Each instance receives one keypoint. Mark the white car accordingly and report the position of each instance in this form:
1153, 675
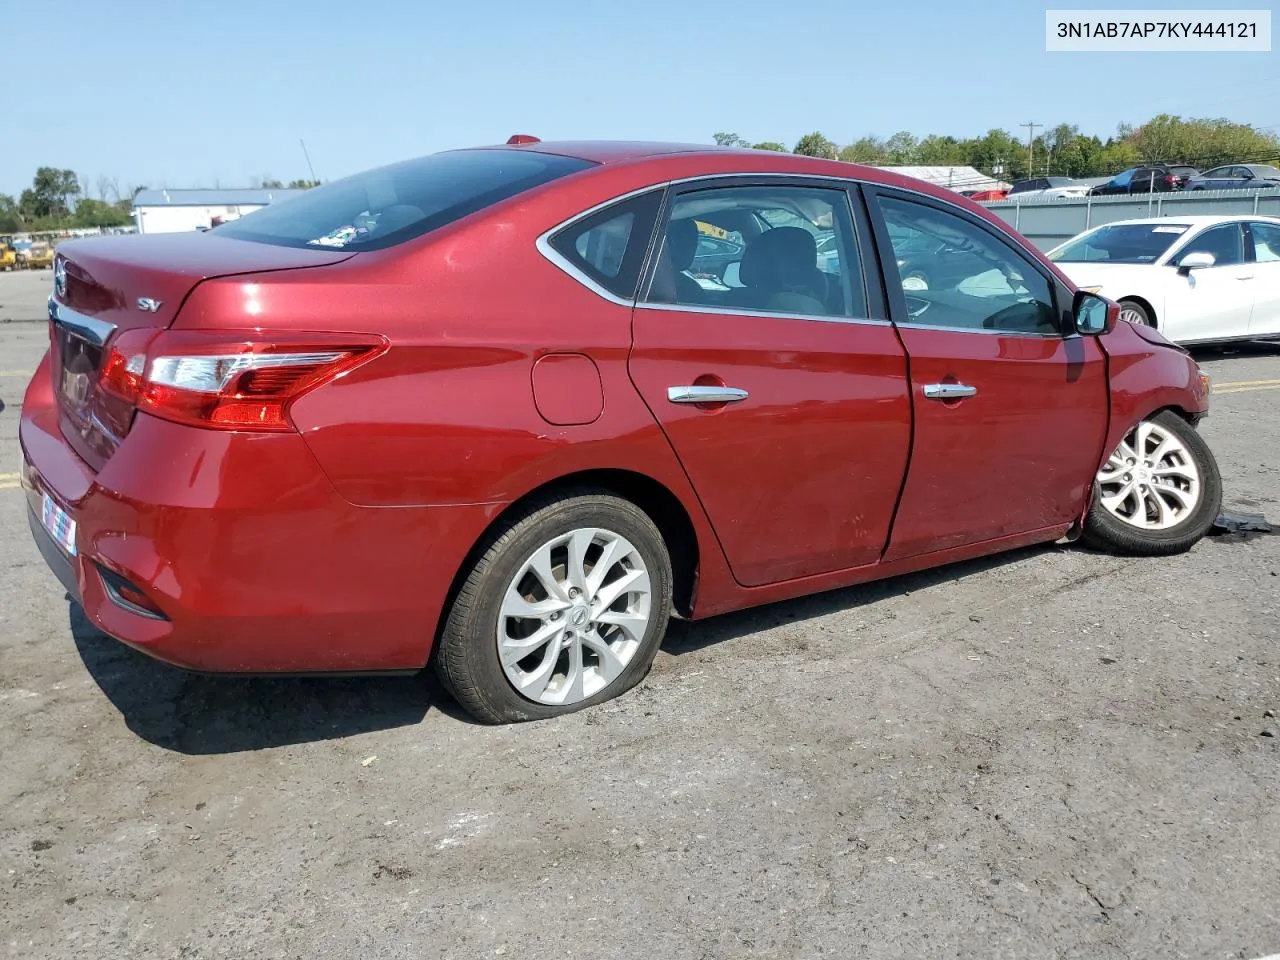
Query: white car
1048, 188
1196, 279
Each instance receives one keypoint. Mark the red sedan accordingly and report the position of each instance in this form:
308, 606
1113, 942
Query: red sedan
475, 408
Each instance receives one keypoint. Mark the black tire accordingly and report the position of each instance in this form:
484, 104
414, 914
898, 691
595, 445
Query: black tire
1138, 308
1105, 531
467, 660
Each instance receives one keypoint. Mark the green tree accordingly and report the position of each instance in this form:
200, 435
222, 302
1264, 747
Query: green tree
769, 145
934, 150
729, 140
1080, 157
303, 184
52, 194
867, 150
902, 148
10, 216
1118, 155
998, 149
1202, 142
816, 145
99, 213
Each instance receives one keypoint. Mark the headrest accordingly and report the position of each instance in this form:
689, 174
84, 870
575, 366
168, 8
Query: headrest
682, 241
779, 257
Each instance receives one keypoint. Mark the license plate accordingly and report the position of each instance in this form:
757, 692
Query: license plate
59, 524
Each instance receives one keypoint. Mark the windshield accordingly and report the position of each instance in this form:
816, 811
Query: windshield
380, 208
1121, 243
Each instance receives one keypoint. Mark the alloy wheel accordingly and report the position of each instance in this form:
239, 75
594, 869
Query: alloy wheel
574, 616
1151, 480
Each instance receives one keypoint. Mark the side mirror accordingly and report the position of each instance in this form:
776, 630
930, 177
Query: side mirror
731, 274
1195, 261
1094, 315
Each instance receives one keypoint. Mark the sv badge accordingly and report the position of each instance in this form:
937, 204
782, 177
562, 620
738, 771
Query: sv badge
147, 305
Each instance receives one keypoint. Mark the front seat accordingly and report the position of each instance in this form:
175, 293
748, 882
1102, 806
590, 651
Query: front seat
780, 273
679, 250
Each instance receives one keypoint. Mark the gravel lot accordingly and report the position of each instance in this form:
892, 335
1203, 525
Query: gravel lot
1048, 754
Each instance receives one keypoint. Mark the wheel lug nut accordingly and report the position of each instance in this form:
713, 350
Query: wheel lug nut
1128, 477
574, 593
555, 615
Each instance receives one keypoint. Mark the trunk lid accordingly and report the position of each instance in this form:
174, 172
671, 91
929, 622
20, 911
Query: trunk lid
108, 286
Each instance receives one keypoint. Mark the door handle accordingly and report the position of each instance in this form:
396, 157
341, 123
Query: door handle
692, 394
1244, 276
948, 391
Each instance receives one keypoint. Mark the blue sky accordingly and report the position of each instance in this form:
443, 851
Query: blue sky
194, 93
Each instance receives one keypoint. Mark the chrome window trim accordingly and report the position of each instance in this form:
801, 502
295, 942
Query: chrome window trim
543, 243
990, 333
95, 331
739, 312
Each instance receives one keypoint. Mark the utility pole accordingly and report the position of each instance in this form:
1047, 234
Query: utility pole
1031, 136
308, 156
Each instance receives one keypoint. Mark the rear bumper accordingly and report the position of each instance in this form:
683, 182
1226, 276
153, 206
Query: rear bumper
256, 562
62, 566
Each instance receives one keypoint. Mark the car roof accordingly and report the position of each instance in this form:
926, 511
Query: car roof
700, 159
616, 151
1197, 220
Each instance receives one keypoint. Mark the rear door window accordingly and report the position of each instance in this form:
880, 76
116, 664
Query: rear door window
1266, 242
791, 250
383, 207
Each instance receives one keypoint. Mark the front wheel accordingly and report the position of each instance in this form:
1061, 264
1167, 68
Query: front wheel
1158, 493
564, 609
1134, 312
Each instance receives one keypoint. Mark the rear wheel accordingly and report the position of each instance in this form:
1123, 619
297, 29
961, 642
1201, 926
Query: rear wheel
1134, 312
565, 608
1158, 493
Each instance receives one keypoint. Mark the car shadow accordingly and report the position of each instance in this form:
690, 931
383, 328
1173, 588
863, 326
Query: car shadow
199, 714
685, 636
1244, 348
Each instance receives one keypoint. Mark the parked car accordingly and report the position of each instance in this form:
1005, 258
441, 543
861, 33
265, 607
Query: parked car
981, 196
464, 410
1048, 188
1153, 178
1195, 279
8, 256
1237, 176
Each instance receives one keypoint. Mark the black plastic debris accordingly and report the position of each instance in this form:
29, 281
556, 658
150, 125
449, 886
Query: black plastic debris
1241, 524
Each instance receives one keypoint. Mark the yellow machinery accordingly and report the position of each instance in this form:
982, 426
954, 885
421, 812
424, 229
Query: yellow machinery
39, 256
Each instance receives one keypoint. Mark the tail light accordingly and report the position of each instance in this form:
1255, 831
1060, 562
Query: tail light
215, 380
1170, 180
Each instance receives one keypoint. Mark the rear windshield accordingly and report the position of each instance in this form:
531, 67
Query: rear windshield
1121, 243
380, 208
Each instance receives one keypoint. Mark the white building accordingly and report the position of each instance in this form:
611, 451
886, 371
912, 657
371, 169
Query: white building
176, 211
959, 179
